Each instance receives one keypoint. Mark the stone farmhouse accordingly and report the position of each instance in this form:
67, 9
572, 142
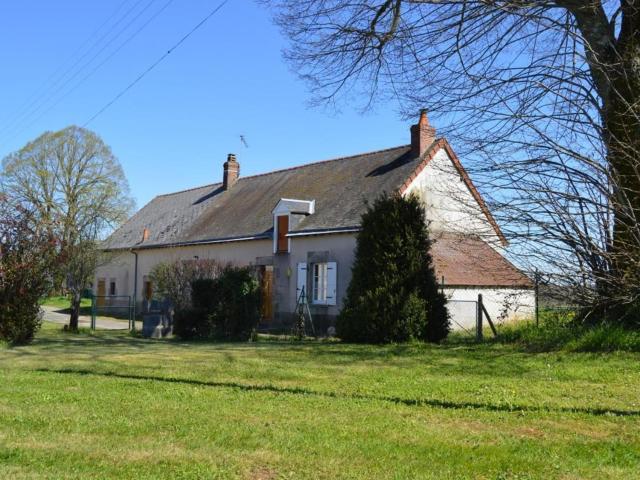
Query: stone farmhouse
298, 227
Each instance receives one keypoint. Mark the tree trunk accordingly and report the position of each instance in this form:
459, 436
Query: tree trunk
75, 312
622, 135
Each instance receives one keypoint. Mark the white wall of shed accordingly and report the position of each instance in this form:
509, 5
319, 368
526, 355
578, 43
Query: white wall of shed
502, 304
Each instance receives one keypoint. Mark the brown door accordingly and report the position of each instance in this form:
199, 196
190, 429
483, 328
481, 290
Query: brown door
102, 291
266, 306
283, 229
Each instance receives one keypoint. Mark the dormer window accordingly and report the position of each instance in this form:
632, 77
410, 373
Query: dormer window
287, 215
283, 230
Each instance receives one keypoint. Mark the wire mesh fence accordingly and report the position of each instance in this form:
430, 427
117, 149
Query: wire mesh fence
113, 312
464, 317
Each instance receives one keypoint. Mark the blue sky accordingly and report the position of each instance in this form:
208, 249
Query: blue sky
173, 129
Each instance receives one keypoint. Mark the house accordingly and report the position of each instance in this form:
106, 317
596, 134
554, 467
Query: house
298, 227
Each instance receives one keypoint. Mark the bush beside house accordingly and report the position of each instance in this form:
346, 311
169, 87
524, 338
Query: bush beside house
223, 308
173, 280
393, 295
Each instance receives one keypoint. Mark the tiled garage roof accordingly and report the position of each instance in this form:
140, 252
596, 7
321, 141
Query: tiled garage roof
470, 261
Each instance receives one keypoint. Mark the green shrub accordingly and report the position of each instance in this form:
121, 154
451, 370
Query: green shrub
236, 312
173, 280
393, 295
224, 308
605, 338
27, 262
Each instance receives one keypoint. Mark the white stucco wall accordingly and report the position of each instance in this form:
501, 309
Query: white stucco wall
122, 266
502, 304
449, 205
118, 267
341, 248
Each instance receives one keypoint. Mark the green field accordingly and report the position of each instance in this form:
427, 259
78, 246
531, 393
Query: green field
114, 406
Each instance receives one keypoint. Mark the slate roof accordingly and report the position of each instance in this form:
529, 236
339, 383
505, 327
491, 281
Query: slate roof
209, 213
469, 261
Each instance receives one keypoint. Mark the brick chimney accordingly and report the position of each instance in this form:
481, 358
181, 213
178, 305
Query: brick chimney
231, 172
422, 135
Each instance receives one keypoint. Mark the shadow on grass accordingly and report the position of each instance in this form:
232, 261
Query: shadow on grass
446, 404
476, 360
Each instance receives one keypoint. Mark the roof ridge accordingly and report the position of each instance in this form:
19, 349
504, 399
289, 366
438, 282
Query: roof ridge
347, 157
185, 190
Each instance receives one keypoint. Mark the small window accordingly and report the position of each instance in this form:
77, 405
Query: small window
112, 287
283, 230
320, 283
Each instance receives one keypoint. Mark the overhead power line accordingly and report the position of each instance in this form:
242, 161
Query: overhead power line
34, 97
157, 62
100, 65
58, 82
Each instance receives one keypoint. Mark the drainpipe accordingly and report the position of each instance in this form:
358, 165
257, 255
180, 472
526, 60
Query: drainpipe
135, 287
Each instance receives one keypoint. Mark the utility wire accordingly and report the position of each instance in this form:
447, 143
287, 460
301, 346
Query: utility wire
97, 67
40, 91
157, 62
19, 123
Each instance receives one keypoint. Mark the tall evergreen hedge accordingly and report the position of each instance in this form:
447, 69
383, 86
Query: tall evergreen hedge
393, 295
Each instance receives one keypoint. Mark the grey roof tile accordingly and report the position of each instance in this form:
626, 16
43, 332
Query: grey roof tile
339, 187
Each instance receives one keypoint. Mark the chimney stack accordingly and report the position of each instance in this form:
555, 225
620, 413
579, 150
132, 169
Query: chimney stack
422, 135
231, 172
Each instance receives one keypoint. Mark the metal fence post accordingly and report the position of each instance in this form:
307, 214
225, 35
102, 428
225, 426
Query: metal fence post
479, 319
93, 312
132, 313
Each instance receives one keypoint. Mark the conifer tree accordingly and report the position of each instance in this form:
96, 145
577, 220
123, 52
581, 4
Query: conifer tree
393, 295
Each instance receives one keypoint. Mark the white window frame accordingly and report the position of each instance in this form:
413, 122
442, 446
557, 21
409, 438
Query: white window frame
324, 273
319, 283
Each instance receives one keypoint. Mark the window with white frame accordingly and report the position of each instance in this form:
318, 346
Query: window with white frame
320, 283
323, 283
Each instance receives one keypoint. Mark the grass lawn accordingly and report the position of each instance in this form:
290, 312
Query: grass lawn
112, 406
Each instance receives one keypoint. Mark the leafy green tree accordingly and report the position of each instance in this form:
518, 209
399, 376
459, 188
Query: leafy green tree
77, 190
393, 295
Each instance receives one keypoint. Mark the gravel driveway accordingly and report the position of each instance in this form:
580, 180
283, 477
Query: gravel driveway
56, 315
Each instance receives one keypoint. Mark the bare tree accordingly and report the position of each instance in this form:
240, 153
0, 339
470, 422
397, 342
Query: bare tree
544, 95
78, 191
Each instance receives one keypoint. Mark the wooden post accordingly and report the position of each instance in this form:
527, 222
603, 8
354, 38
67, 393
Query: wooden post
479, 319
536, 293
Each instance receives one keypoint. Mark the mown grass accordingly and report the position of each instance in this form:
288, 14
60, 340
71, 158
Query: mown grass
110, 405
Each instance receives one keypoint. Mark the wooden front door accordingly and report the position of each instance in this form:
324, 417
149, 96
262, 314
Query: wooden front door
266, 284
102, 291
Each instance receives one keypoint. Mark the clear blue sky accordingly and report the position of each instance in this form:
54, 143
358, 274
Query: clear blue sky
173, 129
